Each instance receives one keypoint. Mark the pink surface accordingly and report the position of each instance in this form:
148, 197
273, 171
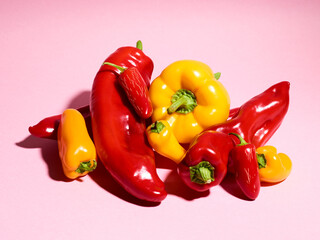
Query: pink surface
50, 53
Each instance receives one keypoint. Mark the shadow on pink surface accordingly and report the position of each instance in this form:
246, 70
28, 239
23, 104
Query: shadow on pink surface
49, 153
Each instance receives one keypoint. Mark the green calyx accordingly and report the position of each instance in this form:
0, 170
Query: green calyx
262, 161
242, 141
86, 166
202, 173
183, 101
157, 127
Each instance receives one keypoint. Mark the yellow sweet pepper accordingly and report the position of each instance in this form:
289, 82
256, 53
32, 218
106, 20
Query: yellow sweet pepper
76, 149
273, 167
163, 141
188, 96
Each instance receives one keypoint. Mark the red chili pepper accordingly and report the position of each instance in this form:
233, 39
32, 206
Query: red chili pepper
258, 119
244, 159
136, 90
205, 164
48, 127
118, 133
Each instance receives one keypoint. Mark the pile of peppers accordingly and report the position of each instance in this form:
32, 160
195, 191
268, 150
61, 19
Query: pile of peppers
184, 115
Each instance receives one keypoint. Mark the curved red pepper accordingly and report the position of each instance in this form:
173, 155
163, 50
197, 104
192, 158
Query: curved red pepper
258, 119
119, 134
244, 160
205, 164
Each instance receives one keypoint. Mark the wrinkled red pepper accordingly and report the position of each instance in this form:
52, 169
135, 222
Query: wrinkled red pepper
258, 119
118, 132
136, 90
205, 164
244, 160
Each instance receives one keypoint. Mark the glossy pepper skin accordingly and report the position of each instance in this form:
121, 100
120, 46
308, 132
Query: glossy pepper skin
48, 127
244, 159
119, 133
76, 149
205, 164
258, 119
273, 167
163, 141
188, 96
136, 90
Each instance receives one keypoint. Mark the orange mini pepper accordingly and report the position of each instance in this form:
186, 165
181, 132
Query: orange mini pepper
76, 149
273, 167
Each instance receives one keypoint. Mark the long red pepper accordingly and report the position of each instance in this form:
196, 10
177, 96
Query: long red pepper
244, 160
205, 163
136, 90
258, 119
118, 132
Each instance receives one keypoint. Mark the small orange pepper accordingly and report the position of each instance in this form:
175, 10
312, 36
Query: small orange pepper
273, 167
76, 149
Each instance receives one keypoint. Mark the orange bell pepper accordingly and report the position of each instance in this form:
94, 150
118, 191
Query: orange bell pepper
273, 167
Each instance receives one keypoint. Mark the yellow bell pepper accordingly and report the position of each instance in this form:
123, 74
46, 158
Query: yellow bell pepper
273, 167
163, 141
76, 149
188, 96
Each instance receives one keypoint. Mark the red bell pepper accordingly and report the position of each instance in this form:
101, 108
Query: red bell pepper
258, 119
205, 164
118, 133
136, 90
244, 160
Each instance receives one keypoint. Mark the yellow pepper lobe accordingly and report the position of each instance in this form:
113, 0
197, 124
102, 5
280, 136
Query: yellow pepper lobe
163, 141
188, 96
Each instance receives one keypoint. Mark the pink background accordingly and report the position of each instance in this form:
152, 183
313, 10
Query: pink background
50, 53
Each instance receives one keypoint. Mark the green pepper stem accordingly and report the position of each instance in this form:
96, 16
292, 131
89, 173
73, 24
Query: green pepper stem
242, 141
86, 166
183, 101
122, 69
202, 173
157, 127
139, 45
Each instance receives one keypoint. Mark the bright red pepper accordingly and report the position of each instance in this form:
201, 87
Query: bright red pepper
244, 159
119, 134
136, 89
205, 164
258, 119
